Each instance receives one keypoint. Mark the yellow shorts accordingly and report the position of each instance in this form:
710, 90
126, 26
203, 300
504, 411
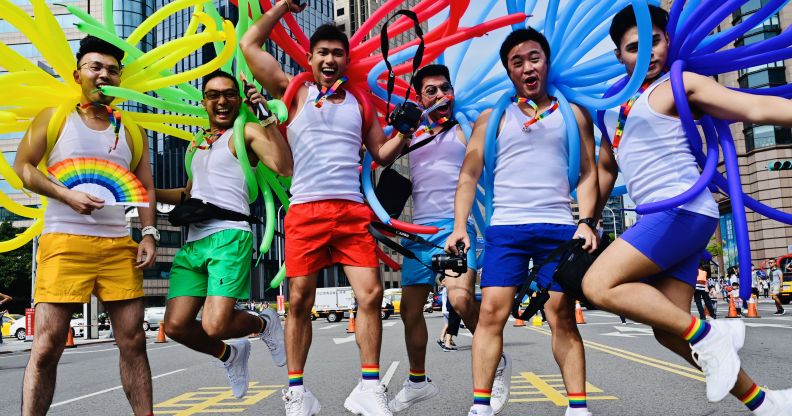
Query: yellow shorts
71, 267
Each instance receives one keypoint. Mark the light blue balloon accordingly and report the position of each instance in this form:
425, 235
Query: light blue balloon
368, 190
395, 59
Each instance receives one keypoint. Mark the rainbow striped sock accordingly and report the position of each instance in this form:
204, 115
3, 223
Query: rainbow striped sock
577, 400
753, 398
295, 378
370, 371
697, 330
417, 376
482, 397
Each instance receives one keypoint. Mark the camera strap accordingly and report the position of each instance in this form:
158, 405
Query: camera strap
538, 298
385, 46
375, 227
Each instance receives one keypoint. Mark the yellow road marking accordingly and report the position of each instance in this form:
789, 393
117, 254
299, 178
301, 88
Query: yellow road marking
555, 393
684, 371
214, 400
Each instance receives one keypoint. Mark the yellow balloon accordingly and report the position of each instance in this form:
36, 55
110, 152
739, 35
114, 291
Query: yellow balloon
22, 239
192, 28
171, 119
166, 129
12, 61
55, 123
17, 208
9, 175
158, 17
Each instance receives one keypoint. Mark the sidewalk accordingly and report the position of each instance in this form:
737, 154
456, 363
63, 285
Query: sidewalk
11, 345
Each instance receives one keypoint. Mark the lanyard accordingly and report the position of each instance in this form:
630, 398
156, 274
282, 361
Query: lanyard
537, 116
430, 128
624, 111
114, 116
209, 137
325, 92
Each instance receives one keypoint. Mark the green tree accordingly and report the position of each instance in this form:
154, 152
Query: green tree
714, 248
14, 265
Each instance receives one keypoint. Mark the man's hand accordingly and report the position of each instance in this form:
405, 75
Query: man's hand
586, 233
81, 202
294, 7
254, 98
147, 253
455, 237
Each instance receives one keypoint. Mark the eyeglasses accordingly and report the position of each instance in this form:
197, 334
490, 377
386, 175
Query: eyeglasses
97, 67
229, 95
432, 90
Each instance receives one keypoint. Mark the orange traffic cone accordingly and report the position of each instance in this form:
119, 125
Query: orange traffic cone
70, 339
752, 312
351, 326
732, 309
518, 321
161, 334
579, 313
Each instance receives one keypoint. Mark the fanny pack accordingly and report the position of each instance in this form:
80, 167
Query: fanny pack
194, 210
573, 262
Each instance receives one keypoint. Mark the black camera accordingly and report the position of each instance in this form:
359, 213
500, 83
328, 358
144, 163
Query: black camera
405, 117
456, 263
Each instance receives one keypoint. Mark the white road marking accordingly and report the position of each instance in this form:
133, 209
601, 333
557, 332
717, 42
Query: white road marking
109, 390
387, 324
344, 340
329, 326
389, 374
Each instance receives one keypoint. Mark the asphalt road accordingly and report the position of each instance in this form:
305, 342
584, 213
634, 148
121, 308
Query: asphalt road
628, 373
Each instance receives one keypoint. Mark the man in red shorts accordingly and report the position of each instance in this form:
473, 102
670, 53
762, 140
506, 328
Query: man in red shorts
327, 222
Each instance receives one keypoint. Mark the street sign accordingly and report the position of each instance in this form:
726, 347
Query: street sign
30, 320
281, 305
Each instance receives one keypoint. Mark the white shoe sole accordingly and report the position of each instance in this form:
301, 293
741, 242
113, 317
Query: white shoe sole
352, 407
278, 327
399, 406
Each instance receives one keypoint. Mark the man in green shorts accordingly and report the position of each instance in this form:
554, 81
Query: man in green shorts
212, 270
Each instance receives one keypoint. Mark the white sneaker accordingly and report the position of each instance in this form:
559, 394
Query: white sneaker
501, 385
273, 336
300, 403
480, 412
237, 367
716, 354
410, 394
575, 412
368, 402
777, 403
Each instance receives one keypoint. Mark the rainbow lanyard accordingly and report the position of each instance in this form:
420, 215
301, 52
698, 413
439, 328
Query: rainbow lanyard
113, 115
325, 92
624, 111
537, 116
430, 128
209, 137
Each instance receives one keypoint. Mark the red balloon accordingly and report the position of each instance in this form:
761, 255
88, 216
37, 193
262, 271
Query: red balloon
414, 228
386, 259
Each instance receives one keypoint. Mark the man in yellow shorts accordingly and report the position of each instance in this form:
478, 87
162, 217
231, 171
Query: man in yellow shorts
85, 246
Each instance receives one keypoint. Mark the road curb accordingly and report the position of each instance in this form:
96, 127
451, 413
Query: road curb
5, 351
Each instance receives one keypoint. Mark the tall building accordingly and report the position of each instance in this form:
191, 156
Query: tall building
757, 145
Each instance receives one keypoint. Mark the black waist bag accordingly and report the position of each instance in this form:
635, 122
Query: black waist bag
393, 190
194, 210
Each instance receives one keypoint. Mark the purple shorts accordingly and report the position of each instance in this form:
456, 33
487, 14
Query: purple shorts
674, 240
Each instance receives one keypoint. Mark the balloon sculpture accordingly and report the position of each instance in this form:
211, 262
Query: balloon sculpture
694, 49
26, 89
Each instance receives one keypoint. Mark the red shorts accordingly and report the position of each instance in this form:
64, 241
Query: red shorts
322, 233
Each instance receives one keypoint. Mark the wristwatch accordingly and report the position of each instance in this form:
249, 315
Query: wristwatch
153, 232
591, 222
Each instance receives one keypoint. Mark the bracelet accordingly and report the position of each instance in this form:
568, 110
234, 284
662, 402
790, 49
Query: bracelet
269, 120
403, 137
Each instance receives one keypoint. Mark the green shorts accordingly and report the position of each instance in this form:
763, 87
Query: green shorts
216, 265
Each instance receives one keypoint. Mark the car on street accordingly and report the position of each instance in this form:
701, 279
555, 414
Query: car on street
17, 328
8, 320
152, 317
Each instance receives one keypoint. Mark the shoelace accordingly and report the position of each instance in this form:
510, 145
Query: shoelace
382, 398
293, 404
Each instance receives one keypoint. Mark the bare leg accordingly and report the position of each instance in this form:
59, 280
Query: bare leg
298, 331
566, 341
38, 386
462, 297
415, 333
127, 317
368, 292
488, 340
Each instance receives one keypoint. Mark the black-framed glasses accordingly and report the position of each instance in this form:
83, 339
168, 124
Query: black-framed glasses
432, 90
229, 95
97, 67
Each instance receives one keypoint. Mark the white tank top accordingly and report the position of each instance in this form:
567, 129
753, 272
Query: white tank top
531, 181
325, 144
655, 158
217, 178
434, 170
78, 140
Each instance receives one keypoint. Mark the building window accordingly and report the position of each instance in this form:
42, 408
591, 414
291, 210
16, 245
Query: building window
757, 137
340, 12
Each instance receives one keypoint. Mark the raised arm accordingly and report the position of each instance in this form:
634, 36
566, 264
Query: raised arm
607, 172
712, 98
173, 196
270, 147
30, 153
265, 67
469, 175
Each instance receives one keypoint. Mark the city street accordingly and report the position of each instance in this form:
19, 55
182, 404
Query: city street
628, 373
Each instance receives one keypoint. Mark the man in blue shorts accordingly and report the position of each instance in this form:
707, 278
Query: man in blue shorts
532, 216
434, 170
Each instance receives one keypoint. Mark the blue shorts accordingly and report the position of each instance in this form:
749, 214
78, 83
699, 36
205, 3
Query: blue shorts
510, 249
415, 273
674, 240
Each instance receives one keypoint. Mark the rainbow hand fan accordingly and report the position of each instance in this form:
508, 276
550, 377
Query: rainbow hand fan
101, 178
